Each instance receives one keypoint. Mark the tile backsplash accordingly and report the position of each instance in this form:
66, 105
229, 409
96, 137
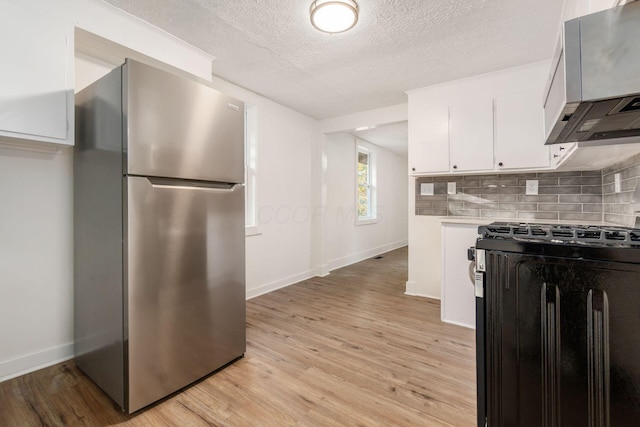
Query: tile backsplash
570, 196
622, 208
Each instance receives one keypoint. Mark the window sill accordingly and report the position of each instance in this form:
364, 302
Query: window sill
251, 230
366, 221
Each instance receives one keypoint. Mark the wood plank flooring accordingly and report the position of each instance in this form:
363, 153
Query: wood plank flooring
346, 349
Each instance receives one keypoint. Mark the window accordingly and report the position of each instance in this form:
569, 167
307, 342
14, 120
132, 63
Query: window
365, 186
251, 157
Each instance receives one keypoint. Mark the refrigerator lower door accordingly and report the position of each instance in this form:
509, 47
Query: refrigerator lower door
184, 283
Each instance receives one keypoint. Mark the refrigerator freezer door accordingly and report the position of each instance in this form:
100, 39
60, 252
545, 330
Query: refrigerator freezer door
184, 283
175, 127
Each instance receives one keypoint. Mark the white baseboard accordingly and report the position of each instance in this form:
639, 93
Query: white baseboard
411, 291
278, 284
32, 362
361, 256
453, 322
410, 288
322, 270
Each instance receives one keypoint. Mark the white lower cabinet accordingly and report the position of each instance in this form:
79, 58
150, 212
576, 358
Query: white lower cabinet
458, 293
36, 91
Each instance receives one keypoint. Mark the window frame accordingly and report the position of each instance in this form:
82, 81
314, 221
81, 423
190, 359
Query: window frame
372, 218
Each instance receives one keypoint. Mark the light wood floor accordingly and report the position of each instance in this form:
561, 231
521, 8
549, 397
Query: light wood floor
347, 349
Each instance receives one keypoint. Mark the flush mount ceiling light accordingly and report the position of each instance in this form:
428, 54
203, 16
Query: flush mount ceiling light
334, 16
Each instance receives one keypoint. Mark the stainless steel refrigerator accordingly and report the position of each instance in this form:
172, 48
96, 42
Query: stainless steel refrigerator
158, 233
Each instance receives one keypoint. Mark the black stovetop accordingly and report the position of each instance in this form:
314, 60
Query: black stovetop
556, 233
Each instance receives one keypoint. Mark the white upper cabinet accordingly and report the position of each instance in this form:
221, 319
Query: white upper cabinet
495, 122
471, 134
36, 88
519, 136
429, 128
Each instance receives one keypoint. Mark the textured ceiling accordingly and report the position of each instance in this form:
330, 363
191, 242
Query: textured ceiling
270, 47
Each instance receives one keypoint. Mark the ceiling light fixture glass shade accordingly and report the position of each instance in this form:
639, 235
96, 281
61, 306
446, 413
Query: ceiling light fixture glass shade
334, 16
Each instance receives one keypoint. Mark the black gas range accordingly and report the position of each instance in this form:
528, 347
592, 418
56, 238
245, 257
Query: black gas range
558, 325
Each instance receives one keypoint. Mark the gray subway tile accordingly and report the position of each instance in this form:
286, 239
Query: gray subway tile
591, 189
486, 213
470, 182
624, 220
509, 198
581, 180
544, 198
592, 207
541, 181
562, 174
511, 190
620, 208
441, 204
538, 215
520, 176
580, 198
500, 181
574, 189
480, 190
572, 216
629, 184
519, 206
560, 207
608, 189
421, 204
464, 212
472, 205
608, 179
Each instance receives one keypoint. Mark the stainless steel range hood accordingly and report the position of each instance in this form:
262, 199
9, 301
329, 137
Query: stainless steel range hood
593, 94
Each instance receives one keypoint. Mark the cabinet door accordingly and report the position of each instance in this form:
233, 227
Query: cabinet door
458, 297
428, 139
33, 76
471, 134
519, 135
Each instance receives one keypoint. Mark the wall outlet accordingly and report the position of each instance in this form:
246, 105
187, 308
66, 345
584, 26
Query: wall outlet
532, 187
616, 183
451, 188
426, 189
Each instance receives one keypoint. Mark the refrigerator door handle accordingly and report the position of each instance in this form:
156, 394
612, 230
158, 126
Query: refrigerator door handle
183, 184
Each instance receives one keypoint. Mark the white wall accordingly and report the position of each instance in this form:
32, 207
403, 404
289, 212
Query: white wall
36, 263
346, 242
281, 253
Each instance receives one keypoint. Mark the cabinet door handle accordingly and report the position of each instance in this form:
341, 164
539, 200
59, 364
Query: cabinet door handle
561, 148
555, 156
500, 164
455, 166
413, 169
